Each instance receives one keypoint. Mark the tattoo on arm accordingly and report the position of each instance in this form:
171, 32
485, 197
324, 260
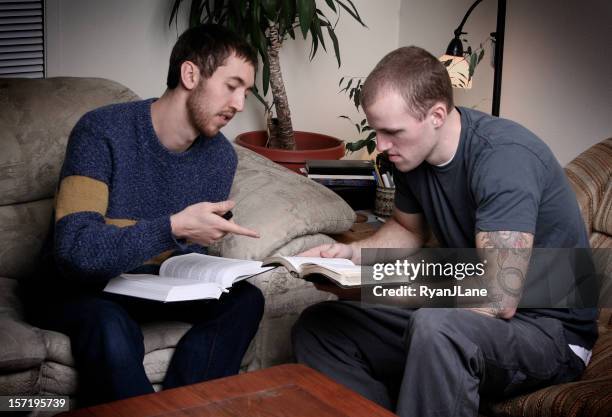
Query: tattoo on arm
507, 254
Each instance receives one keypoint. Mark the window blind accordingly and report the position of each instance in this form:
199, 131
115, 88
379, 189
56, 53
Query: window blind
22, 39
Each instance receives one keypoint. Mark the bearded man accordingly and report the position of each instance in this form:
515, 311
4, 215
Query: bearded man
142, 181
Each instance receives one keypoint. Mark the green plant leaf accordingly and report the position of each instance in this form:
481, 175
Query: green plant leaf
289, 12
270, 8
332, 35
256, 16
355, 146
480, 56
259, 98
306, 11
195, 13
352, 10
340, 83
371, 136
313, 46
316, 25
331, 5
473, 59
175, 7
217, 11
265, 76
371, 146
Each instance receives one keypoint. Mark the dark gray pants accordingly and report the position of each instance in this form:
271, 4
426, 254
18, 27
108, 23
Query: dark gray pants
432, 362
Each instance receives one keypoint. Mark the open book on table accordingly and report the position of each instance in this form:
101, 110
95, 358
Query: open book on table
187, 277
340, 271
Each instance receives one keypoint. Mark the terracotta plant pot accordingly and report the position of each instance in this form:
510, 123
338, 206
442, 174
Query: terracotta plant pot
309, 146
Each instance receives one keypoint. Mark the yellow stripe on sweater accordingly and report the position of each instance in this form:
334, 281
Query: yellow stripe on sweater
157, 260
78, 193
120, 222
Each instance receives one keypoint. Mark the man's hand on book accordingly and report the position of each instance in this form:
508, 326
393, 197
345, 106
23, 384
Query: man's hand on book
202, 223
334, 250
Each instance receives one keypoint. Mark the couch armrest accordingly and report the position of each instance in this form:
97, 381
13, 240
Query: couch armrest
22, 345
281, 206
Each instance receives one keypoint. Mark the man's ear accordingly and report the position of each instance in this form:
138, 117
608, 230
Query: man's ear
190, 75
437, 114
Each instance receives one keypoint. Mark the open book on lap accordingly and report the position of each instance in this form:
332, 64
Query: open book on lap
196, 276
187, 277
340, 271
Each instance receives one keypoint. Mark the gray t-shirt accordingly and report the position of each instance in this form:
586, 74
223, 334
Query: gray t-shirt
502, 177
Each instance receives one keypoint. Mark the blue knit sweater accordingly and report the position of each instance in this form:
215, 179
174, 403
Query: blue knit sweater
119, 186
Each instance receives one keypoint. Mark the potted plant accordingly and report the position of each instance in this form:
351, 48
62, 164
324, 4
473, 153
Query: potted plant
266, 24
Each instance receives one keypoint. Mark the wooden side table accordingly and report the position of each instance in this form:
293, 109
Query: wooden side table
285, 390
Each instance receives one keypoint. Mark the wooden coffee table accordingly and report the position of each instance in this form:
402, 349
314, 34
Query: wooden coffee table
285, 390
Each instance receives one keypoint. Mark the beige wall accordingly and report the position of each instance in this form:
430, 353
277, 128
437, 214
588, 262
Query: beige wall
558, 71
130, 42
557, 76
430, 25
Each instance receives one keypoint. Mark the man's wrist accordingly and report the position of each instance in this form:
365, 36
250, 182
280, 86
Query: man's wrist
176, 227
355, 252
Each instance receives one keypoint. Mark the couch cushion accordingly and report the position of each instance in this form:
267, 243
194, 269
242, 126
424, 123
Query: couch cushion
294, 206
23, 228
36, 119
10, 303
22, 346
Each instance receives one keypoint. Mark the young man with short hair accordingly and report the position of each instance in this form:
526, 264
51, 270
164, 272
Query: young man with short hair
143, 181
476, 181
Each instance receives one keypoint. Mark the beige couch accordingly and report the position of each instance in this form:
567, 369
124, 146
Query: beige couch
290, 212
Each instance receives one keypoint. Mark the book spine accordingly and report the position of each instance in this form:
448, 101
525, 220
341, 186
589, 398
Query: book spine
316, 177
345, 182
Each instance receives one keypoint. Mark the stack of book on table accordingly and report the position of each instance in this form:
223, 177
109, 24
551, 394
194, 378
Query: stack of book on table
353, 180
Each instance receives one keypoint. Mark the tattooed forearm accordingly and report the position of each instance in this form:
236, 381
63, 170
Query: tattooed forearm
507, 254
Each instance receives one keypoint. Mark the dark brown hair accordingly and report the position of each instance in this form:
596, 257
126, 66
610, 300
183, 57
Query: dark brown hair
208, 46
414, 73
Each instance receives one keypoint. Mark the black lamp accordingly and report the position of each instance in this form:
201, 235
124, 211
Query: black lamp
457, 64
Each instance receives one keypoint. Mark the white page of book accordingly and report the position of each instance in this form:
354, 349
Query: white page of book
223, 271
333, 264
163, 288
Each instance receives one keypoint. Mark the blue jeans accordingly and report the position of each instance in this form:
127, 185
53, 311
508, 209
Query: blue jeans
107, 342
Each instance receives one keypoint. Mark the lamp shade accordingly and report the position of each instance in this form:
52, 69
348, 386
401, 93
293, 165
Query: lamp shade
458, 70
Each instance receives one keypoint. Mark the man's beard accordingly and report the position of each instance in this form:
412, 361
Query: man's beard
199, 113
